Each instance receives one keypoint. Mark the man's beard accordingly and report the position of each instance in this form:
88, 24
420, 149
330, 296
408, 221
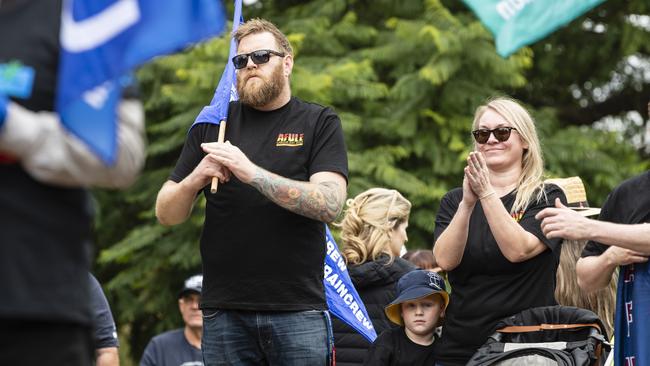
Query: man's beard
260, 95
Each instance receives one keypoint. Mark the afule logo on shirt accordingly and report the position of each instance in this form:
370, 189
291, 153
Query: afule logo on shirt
290, 139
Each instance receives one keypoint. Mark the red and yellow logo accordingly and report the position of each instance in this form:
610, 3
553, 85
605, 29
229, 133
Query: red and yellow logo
290, 139
517, 216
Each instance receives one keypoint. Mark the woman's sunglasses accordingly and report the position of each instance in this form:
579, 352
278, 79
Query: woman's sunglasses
500, 133
258, 57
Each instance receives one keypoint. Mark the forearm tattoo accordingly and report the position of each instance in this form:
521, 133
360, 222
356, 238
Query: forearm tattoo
322, 201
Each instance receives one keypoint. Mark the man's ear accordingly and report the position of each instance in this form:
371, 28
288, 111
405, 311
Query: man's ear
287, 63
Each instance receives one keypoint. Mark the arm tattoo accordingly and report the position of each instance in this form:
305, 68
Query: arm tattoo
322, 201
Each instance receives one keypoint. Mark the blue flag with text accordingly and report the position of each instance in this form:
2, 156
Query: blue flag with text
103, 40
632, 320
517, 23
342, 298
226, 91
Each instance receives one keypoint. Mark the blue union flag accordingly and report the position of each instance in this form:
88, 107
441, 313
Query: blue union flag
103, 40
632, 320
342, 298
226, 91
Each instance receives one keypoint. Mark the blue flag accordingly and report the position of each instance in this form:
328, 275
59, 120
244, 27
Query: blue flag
103, 40
226, 91
632, 320
342, 298
517, 23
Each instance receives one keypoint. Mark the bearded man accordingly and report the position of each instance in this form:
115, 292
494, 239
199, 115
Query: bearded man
283, 170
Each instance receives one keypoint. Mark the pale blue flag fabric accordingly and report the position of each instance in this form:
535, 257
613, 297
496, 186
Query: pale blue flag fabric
342, 298
517, 23
103, 40
226, 91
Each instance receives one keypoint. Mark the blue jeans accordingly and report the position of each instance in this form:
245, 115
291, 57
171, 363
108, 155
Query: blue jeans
232, 337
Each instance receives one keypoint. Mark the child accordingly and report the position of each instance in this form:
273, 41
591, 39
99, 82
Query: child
419, 307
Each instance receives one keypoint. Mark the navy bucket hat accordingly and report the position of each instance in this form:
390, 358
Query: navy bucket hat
416, 285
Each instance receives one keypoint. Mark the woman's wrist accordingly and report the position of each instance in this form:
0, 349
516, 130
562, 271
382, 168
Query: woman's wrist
486, 195
469, 205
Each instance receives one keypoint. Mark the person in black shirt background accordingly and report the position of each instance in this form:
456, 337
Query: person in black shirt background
46, 211
486, 237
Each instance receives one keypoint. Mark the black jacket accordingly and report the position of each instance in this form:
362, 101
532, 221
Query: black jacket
375, 282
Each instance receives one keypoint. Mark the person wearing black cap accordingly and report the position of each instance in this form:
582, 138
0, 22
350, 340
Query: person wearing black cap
419, 308
180, 346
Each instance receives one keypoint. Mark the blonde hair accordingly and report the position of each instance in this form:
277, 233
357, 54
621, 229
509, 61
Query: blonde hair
530, 182
257, 25
367, 223
568, 293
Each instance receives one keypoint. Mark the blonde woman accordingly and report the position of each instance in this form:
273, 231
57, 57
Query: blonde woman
486, 236
373, 232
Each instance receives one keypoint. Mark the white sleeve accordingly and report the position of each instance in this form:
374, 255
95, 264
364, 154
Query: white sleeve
50, 154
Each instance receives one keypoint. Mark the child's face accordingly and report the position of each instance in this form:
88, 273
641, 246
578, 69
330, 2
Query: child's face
421, 316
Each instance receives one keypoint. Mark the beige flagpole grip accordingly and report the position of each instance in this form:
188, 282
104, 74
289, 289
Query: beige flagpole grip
222, 134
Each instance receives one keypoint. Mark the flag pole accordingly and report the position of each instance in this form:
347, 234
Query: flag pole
222, 133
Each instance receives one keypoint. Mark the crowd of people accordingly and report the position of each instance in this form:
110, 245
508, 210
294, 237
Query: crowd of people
506, 240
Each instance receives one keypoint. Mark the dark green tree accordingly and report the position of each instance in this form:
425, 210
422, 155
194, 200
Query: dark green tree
405, 76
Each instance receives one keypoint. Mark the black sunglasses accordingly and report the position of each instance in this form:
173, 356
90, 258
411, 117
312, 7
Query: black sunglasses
258, 57
500, 133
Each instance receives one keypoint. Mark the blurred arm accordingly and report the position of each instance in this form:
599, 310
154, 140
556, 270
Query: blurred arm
107, 357
52, 155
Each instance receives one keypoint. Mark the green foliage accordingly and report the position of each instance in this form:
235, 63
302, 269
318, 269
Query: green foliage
405, 76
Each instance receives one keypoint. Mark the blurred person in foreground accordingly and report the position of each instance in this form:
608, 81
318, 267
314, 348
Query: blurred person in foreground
283, 174
486, 236
46, 215
180, 346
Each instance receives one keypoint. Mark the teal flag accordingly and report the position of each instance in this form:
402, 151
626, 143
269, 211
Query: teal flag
517, 23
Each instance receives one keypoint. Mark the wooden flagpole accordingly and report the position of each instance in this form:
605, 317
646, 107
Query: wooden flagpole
222, 133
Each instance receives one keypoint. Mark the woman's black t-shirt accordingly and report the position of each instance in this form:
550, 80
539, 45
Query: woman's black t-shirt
486, 287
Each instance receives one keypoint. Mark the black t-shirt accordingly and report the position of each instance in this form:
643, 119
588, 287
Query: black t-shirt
486, 287
171, 349
103, 323
257, 255
394, 348
629, 203
44, 260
